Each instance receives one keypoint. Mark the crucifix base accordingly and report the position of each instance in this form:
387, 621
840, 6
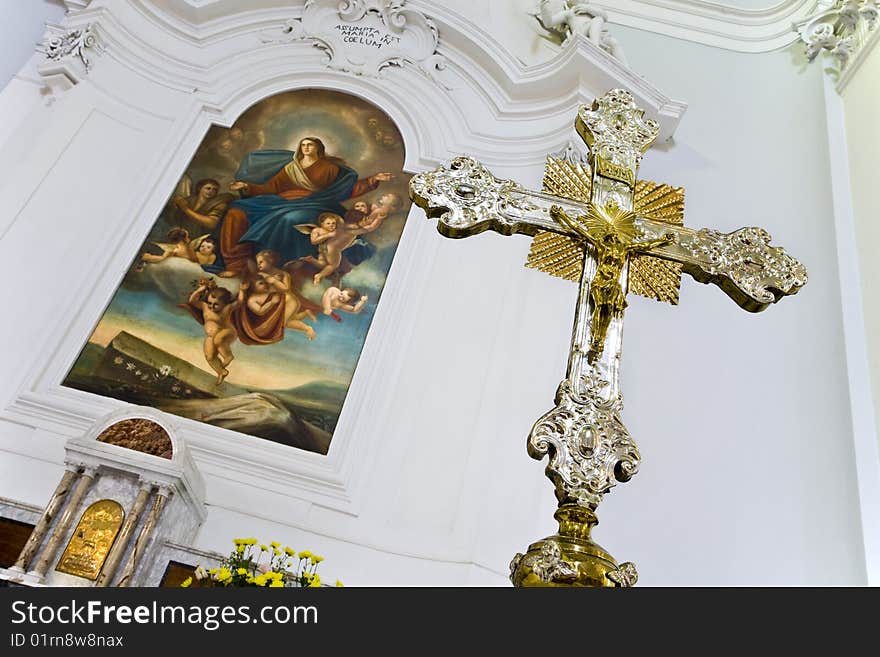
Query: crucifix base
570, 558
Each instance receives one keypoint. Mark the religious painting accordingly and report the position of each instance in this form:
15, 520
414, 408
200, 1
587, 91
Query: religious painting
92, 539
248, 304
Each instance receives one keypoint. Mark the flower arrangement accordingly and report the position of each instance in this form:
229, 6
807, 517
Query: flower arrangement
250, 564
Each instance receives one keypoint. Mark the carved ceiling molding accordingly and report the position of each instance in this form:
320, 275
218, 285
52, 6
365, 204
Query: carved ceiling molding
841, 29
365, 36
69, 51
149, 38
711, 23
714, 24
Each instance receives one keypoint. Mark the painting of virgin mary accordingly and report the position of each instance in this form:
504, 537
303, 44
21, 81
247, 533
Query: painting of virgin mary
256, 325
282, 189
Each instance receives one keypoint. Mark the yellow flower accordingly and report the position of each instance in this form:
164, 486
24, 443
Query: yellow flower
315, 581
241, 571
237, 541
305, 554
224, 574
260, 580
276, 551
186, 582
276, 584
212, 571
249, 541
240, 549
275, 544
263, 548
317, 559
289, 552
339, 584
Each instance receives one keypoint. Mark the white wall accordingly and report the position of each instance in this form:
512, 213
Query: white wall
743, 420
861, 99
22, 29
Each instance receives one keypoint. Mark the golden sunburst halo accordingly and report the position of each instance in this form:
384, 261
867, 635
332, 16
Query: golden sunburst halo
610, 218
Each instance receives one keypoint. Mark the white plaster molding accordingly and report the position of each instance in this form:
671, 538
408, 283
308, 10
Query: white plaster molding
21, 511
855, 64
68, 49
840, 29
365, 36
711, 23
566, 18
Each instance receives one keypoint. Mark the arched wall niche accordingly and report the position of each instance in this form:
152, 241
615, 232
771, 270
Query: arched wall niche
139, 435
508, 115
153, 419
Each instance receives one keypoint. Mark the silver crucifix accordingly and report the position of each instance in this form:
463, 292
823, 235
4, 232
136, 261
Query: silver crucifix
590, 450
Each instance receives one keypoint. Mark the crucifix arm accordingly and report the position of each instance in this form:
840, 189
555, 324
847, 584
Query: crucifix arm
468, 200
742, 263
653, 244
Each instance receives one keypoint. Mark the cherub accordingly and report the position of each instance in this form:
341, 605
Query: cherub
216, 306
336, 299
177, 246
332, 235
379, 211
358, 211
204, 250
567, 17
259, 296
280, 280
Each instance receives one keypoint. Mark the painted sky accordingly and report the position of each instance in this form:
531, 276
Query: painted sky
146, 303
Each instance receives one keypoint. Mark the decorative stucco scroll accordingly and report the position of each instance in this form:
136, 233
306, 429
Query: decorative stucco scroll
365, 36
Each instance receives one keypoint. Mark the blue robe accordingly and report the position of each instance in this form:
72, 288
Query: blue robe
272, 218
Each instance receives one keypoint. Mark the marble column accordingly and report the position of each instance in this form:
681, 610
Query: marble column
121, 543
70, 511
39, 533
144, 537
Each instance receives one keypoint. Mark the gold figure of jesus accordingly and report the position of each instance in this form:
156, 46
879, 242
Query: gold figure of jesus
612, 233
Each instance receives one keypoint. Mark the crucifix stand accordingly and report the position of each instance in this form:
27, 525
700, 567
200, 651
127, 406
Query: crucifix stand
601, 236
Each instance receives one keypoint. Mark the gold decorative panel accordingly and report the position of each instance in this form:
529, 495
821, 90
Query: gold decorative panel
92, 539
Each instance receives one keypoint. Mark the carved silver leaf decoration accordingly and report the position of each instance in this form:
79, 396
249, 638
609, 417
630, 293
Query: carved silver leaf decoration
571, 153
468, 199
746, 260
549, 565
365, 36
619, 127
840, 29
60, 44
590, 449
625, 575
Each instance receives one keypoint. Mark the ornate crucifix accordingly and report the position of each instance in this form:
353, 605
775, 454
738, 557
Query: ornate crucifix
604, 226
